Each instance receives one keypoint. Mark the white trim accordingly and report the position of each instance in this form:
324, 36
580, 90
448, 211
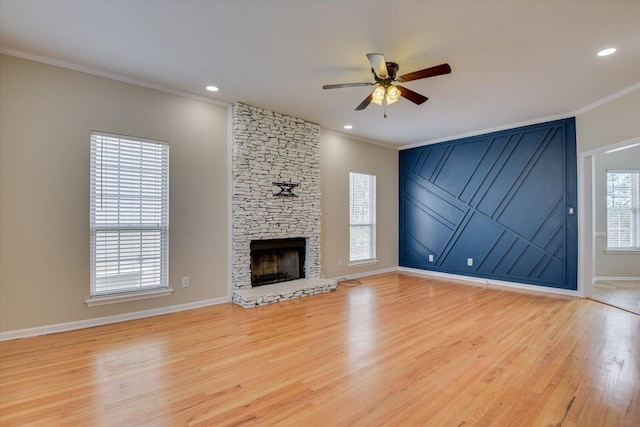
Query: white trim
614, 150
112, 76
100, 321
489, 130
575, 113
491, 282
603, 150
622, 251
372, 181
582, 245
148, 85
613, 279
143, 83
479, 280
586, 227
600, 234
230, 203
126, 297
608, 99
359, 139
356, 264
366, 273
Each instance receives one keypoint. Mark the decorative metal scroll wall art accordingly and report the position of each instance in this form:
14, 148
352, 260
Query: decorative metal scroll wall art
286, 189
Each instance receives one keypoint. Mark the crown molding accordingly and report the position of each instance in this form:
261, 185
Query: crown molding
111, 76
607, 99
357, 138
488, 130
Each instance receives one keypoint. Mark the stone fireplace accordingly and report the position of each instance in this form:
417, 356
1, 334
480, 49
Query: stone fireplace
276, 191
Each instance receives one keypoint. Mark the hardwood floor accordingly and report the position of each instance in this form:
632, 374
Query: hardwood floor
398, 350
624, 294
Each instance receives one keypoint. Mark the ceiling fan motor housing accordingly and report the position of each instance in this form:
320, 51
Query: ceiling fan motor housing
392, 70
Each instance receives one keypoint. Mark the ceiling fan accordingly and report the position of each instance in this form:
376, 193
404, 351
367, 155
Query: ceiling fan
387, 90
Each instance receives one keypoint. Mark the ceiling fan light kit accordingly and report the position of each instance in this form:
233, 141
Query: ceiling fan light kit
386, 91
377, 96
393, 94
388, 94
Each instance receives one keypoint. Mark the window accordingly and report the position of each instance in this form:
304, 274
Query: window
623, 210
362, 207
129, 220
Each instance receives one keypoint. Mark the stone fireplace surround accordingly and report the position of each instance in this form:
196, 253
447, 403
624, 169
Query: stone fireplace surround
270, 147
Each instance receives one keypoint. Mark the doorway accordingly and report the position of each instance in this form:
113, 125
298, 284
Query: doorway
608, 276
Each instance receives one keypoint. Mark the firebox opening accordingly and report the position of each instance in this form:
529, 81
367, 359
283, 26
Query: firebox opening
277, 260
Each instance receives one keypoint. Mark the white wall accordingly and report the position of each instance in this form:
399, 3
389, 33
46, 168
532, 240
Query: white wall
340, 155
46, 115
608, 124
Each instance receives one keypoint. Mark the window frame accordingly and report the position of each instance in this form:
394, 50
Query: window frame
371, 225
129, 237
635, 213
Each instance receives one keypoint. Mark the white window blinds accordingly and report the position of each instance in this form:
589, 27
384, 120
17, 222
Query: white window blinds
129, 220
623, 209
362, 207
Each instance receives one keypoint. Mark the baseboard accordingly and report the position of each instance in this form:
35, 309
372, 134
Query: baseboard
99, 321
491, 282
365, 274
613, 279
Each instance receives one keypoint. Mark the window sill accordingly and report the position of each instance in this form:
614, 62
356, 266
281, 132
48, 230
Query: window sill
622, 251
363, 263
115, 299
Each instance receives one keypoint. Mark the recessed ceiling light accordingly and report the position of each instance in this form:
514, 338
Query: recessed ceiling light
348, 127
212, 88
606, 52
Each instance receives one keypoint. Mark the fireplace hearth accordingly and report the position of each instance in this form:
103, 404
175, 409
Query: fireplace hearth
277, 260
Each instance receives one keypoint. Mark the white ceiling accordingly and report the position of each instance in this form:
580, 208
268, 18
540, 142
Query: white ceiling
513, 61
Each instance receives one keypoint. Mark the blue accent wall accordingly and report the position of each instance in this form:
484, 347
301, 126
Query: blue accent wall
503, 199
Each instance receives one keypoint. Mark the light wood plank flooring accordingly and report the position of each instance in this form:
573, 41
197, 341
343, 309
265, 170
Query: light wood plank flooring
619, 293
398, 350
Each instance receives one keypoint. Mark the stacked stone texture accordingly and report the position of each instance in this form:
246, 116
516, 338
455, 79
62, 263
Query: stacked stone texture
270, 147
291, 290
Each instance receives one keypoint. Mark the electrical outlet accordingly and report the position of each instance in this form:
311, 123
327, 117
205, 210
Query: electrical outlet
339, 261
470, 262
185, 282
430, 257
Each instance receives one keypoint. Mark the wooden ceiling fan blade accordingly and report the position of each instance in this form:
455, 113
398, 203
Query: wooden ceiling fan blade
438, 70
378, 64
412, 96
337, 86
364, 104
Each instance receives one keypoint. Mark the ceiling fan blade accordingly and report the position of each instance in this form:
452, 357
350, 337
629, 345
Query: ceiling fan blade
364, 104
412, 96
378, 64
346, 85
427, 72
